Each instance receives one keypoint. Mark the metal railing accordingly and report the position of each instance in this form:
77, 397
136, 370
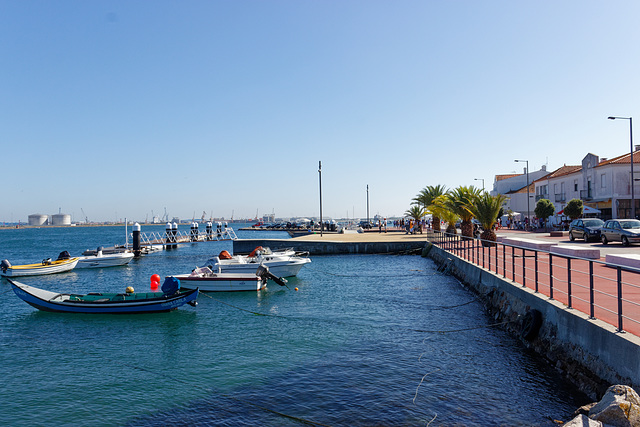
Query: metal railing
594, 287
168, 238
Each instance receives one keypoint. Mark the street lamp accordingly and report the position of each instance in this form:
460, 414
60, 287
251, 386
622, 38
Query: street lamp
528, 210
633, 202
480, 179
320, 179
368, 204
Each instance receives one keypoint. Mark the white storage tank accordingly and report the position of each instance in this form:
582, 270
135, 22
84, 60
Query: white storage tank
61, 219
38, 219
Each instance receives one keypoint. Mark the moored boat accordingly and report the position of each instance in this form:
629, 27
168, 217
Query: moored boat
60, 265
107, 303
102, 260
207, 280
282, 264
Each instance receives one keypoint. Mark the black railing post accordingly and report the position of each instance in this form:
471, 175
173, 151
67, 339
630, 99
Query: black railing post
513, 264
536, 268
569, 280
591, 302
504, 261
550, 275
620, 299
524, 259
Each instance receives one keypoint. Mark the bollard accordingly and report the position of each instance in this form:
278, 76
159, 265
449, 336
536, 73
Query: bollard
174, 233
137, 249
209, 231
168, 233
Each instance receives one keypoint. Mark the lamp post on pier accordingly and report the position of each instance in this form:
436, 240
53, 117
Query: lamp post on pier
320, 180
368, 204
480, 179
528, 209
633, 201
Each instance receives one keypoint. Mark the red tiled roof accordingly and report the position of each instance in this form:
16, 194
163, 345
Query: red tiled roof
625, 159
561, 171
507, 176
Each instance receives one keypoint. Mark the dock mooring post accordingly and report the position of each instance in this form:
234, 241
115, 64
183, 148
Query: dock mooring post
137, 249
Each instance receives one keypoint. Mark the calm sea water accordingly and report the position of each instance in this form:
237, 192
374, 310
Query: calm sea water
367, 340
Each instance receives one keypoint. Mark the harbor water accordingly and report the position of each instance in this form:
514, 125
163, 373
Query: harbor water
365, 340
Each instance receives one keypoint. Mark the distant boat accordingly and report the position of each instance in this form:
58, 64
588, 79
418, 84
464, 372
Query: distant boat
101, 260
60, 265
107, 303
205, 279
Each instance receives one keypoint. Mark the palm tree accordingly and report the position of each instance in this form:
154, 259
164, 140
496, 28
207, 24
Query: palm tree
416, 213
486, 209
440, 210
426, 198
459, 201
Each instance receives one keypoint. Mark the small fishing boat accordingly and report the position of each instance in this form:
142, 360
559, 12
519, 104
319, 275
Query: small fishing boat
206, 280
282, 264
60, 265
102, 260
107, 303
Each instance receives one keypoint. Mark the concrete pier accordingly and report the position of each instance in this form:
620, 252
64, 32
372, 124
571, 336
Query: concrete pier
334, 244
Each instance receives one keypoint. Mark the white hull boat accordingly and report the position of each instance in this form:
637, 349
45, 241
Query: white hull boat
62, 264
204, 279
100, 260
281, 264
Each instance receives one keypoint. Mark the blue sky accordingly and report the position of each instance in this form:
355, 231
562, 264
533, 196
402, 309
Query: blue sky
123, 108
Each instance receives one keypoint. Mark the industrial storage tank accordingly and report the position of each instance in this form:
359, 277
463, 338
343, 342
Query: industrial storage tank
38, 219
61, 219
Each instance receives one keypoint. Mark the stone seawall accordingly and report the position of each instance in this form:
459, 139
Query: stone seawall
588, 352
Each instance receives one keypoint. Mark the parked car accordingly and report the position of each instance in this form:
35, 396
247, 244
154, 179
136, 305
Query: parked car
587, 229
620, 230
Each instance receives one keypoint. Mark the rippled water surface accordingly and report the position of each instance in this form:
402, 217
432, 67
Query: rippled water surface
366, 340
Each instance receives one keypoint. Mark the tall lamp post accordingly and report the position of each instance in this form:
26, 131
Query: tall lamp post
320, 180
528, 210
480, 179
633, 181
368, 204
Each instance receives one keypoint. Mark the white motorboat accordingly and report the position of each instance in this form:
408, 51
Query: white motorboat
285, 263
60, 265
207, 280
102, 260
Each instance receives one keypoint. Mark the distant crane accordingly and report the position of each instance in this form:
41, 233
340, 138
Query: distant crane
204, 215
86, 220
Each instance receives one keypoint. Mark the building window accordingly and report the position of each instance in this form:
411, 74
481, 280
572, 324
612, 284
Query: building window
603, 181
575, 185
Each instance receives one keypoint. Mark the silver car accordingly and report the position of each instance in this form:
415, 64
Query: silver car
620, 230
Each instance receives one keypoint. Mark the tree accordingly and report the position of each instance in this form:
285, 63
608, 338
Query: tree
439, 208
574, 209
544, 209
426, 198
459, 202
486, 209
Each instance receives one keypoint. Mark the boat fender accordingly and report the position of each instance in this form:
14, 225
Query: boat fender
129, 290
5, 265
46, 261
255, 251
531, 323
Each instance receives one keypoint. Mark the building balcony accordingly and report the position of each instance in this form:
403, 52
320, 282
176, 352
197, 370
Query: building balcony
586, 194
561, 197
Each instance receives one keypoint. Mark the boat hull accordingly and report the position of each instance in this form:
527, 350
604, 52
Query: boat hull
104, 261
40, 269
223, 282
278, 268
130, 304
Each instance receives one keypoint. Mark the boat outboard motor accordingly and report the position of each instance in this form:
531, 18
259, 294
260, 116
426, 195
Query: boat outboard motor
264, 273
5, 265
170, 286
63, 255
